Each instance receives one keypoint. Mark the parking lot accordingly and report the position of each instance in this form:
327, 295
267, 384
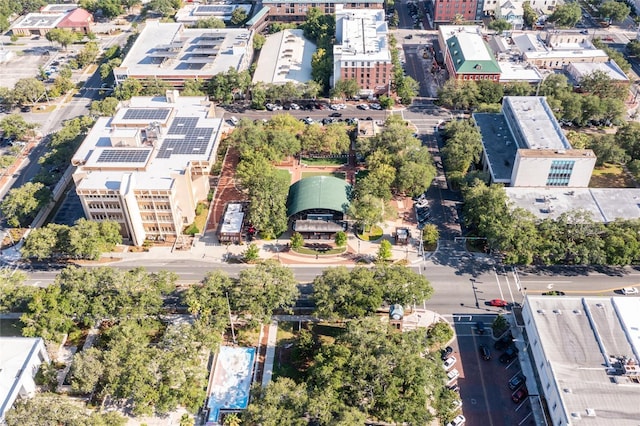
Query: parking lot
484, 390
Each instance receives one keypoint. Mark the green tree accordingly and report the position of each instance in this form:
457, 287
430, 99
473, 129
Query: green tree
341, 239
384, 251
105, 108
340, 293
258, 41
127, 89
207, 302
490, 91
529, 15
407, 89
282, 402
154, 87
193, 87
430, 234
500, 25
263, 289
519, 88
367, 210
28, 91
297, 240
86, 370
45, 242
598, 83
211, 22
613, 11
321, 67
238, 16
345, 88
62, 36
89, 239
166, 8
21, 204
14, 125
401, 284
633, 47
566, 15
439, 334
251, 254
457, 94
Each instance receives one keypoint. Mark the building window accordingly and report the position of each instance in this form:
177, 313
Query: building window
560, 172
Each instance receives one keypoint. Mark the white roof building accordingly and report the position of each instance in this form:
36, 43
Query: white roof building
362, 49
147, 166
192, 13
287, 58
20, 358
585, 351
578, 71
174, 53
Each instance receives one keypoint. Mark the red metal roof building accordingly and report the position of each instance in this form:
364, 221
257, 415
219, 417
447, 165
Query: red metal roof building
78, 20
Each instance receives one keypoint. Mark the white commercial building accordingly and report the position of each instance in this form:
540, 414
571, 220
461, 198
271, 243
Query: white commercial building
362, 50
173, 53
20, 358
524, 146
190, 14
578, 71
585, 351
556, 49
287, 58
147, 167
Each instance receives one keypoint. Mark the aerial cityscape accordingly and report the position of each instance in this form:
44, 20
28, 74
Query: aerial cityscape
324, 213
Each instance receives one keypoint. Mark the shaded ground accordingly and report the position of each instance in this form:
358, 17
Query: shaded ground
611, 176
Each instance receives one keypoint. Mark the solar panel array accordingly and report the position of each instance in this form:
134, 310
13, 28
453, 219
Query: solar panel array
146, 114
206, 9
194, 141
123, 156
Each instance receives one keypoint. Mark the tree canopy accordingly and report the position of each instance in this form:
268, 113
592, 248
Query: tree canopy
566, 15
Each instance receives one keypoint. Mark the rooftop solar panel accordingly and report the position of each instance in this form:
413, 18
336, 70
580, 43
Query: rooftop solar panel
146, 114
184, 137
123, 156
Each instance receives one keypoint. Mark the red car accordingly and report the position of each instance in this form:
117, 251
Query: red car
498, 302
519, 395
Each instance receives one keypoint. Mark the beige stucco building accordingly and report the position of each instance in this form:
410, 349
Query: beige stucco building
147, 167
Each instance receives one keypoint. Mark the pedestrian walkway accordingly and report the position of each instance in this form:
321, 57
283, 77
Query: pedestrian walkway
267, 371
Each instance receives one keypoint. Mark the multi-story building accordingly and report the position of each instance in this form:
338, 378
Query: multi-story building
584, 354
448, 11
173, 53
524, 146
296, 11
466, 55
20, 358
289, 58
556, 49
147, 167
362, 50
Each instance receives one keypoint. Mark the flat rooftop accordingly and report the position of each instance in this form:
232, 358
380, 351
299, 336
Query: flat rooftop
288, 59
604, 204
171, 49
499, 145
233, 219
535, 119
610, 68
39, 20
511, 72
192, 13
188, 135
580, 337
14, 355
362, 35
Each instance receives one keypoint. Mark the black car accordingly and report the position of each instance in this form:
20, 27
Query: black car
409, 37
503, 343
485, 352
25, 109
509, 355
480, 327
335, 114
454, 388
444, 354
517, 381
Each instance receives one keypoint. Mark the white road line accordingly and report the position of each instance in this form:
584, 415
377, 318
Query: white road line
506, 277
495, 272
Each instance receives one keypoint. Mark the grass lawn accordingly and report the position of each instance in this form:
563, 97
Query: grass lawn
324, 161
283, 172
339, 175
375, 233
201, 219
610, 176
306, 250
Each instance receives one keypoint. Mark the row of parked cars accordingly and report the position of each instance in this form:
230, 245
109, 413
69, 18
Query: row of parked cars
449, 362
421, 206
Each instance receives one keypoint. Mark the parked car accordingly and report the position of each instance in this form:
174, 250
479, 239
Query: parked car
234, 120
485, 353
409, 37
375, 106
553, 293
363, 107
269, 106
444, 354
456, 405
503, 343
454, 387
629, 290
335, 114
452, 375
517, 381
509, 355
457, 421
498, 302
519, 395
480, 327
449, 363
294, 106
308, 120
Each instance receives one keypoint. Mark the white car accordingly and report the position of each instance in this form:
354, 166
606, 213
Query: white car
450, 362
456, 405
629, 290
457, 421
375, 106
294, 106
452, 375
363, 107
